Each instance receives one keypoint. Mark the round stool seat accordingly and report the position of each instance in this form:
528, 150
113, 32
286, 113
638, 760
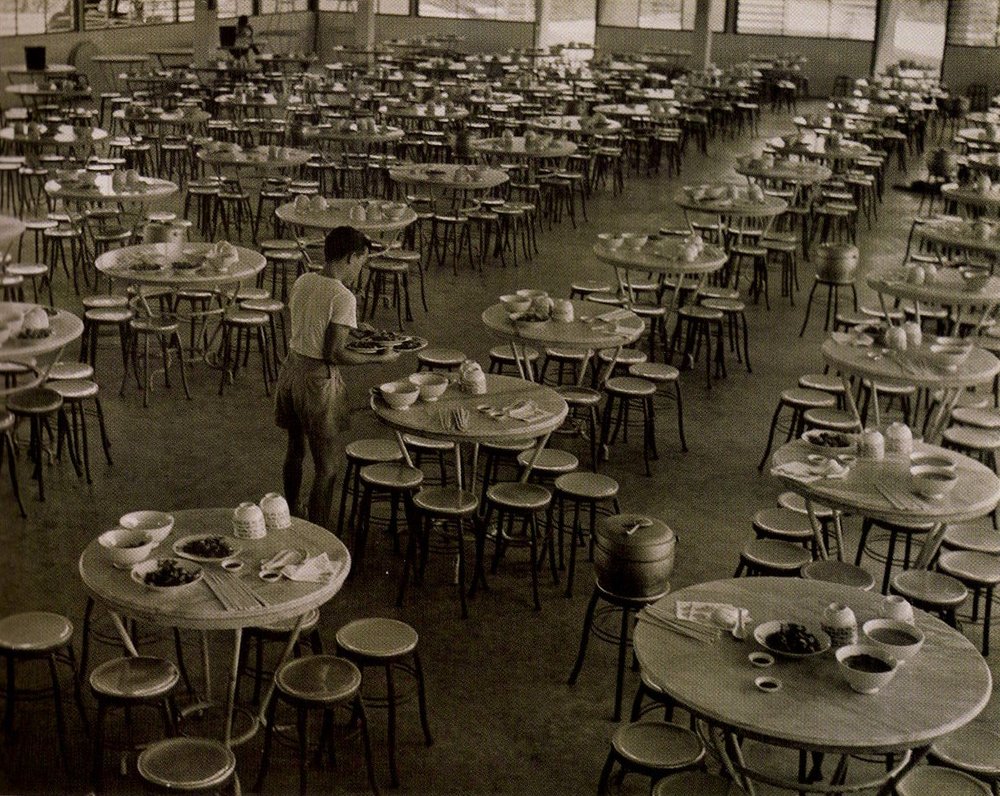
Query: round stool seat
36, 401
929, 588
775, 554
567, 354
508, 446
550, 460
268, 305
249, 293
701, 782
11, 280
579, 396
426, 443
41, 224
392, 475
805, 398
657, 745
319, 678
823, 382
979, 439
377, 637
134, 678
699, 312
624, 356
980, 418
64, 371
62, 232
724, 304
776, 245
374, 450
975, 749
831, 419
280, 629
887, 388
244, 317
648, 310
833, 571
274, 244
780, 523
922, 780
970, 566
589, 286
35, 631
441, 357
714, 292
75, 389
878, 312
104, 300
504, 353
446, 500
108, 315
852, 319
972, 536
403, 255
154, 325
793, 501
629, 386
588, 486
606, 298
657, 372
515, 495
186, 764
28, 270
388, 266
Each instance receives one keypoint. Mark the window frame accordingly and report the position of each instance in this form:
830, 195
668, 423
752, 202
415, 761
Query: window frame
636, 26
948, 29
813, 37
415, 11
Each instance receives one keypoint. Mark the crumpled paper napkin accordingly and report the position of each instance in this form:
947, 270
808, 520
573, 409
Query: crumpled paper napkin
313, 570
807, 472
529, 412
721, 615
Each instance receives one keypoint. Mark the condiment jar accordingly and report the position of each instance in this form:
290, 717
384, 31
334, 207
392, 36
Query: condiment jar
898, 441
896, 607
872, 445
840, 624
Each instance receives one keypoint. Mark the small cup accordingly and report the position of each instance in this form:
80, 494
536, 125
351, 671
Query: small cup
270, 575
277, 515
761, 659
248, 522
767, 684
232, 564
896, 607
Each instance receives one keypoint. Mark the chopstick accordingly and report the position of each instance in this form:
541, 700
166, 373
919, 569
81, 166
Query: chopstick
689, 629
897, 501
213, 587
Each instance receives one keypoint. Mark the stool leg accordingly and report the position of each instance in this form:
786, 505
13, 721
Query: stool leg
60, 718
366, 739
302, 729
97, 772
620, 676
265, 760
418, 673
588, 623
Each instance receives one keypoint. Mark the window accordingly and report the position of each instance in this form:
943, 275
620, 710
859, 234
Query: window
823, 19
974, 23
397, 7
499, 10
658, 14
35, 16
231, 9
119, 13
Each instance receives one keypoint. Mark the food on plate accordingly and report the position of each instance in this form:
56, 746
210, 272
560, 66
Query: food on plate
170, 572
831, 439
793, 638
208, 547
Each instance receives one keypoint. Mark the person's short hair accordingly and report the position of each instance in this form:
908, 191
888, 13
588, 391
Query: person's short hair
243, 21
342, 242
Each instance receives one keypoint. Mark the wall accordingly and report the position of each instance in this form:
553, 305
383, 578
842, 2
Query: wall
965, 65
827, 57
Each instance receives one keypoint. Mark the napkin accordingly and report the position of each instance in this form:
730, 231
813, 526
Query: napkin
528, 412
312, 570
615, 315
721, 615
807, 473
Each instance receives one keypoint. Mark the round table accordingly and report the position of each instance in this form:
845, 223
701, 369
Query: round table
796, 172
572, 124
38, 93
988, 162
742, 207
337, 214
195, 118
981, 137
937, 691
50, 70
64, 136
947, 290
382, 134
972, 197
441, 177
845, 152
197, 606
429, 113
641, 110
256, 159
880, 365
64, 328
958, 234
149, 189
518, 148
585, 332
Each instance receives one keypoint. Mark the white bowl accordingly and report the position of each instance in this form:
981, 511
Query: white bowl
399, 394
156, 524
900, 639
124, 547
431, 385
865, 682
531, 294
936, 460
932, 482
515, 303
948, 352
612, 240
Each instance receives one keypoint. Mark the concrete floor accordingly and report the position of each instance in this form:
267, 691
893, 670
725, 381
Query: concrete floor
503, 718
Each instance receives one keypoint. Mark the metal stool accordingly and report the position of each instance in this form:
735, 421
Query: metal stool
771, 557
7, 423
359, 453
434, 358
398, 481
653, 749
74, 392
168, 336
582, 491
192, 765
244, 323
36, 405
626, 392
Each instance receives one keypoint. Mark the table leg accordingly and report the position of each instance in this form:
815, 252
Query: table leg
206, 666
542, 442
231, 687
817, 527
403, 450
874, 400
261, 719
123, 634
849, 398
931, 545
941, 415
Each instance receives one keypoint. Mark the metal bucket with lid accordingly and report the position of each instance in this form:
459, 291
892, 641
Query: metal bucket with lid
633, 555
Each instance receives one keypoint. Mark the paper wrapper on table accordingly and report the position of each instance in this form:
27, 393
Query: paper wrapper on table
313, 570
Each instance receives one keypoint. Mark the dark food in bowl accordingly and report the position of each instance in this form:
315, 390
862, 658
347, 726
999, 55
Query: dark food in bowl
892, 637
867, 663
208, 547
170, 572
830, 439
794, 639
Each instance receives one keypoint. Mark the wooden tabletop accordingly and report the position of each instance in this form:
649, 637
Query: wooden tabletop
571, 124
971, 196
583, 332
662, 257
948, 288
125, 264
426, 419
257, 158
802, 172
975, 494
958, 234
443, 175
517, 147
909, 367
197, 607
64, 328
941, 688
64, 135
149, 189
741, 207
383, 134
337, 214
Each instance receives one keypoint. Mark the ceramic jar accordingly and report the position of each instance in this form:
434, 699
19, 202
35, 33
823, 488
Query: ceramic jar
840, 624
277, 515
248, 522
872, 445
896, 607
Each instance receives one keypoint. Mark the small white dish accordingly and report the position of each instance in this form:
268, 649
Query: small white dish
767, 684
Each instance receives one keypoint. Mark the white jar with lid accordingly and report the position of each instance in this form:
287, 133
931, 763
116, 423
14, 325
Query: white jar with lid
872, 445
840, 624
898, 441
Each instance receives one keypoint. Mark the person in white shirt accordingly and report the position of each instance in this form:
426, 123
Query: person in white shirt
311, 399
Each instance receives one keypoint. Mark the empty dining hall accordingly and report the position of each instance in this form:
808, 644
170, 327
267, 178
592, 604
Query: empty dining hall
499, 397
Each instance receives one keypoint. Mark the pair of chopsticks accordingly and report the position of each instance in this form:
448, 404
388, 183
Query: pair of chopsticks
232, 592
898, 500
455, 419
692, 630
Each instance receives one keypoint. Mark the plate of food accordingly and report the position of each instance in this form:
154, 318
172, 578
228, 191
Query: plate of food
411, 344
364, 347
185, 265
205, 547
830, 443
166, 574
146, 266
791, 639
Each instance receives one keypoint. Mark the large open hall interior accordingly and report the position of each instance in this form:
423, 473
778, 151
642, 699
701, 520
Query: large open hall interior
499, 396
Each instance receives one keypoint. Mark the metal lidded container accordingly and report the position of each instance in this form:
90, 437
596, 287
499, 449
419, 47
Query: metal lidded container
633, 555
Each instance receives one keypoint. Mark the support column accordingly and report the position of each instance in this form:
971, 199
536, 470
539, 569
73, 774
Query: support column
701, 39
364, 27
206, 32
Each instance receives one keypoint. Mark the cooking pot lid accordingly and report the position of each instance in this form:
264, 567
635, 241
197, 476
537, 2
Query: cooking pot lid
639, 530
